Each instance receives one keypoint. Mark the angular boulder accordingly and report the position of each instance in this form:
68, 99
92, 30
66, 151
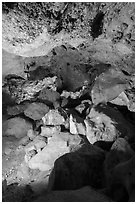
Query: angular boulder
104, 123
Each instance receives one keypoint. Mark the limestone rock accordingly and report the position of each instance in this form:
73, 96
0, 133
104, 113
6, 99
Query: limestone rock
17, 127
36, 111
77, 169
53, 117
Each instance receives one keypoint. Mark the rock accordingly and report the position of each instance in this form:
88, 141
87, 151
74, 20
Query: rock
36, 111
47, 131
53, 117
23, 172
85, 194
74, 142
24, 141
30, 154
104, 123
50, 96
108, 86
31, 134
121, 180
76, 125
121, 100
77, 169
28, 90
17, 109
45, 159
17, 127
36, 144
83, 106
7, 150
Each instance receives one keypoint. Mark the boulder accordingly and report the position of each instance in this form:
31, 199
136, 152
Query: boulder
49, 96
85, 194
17, 127
49, 131
79, 168
121, 100
76, 125
108, 86
31, 134
36, 144
53, 117
104, 123
36, 110
45, 159
24, 141
16, 109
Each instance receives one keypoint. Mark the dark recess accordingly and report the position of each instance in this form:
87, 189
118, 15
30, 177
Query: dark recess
97, 25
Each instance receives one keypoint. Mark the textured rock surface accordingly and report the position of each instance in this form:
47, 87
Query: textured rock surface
106, 123
17, 127
53, 117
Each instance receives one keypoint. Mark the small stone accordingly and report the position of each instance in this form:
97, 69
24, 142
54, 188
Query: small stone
23, 172
47, 131
53, 117
49, 96
77, 125
36, 111
31, 134
7, 150
24, 141
29, 155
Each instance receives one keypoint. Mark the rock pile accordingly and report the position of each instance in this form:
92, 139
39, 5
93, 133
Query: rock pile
75, 130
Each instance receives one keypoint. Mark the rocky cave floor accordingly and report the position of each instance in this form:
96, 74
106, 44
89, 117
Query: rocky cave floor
68, 116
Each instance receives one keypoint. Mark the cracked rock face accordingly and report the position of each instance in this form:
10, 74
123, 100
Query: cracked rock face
68, 101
